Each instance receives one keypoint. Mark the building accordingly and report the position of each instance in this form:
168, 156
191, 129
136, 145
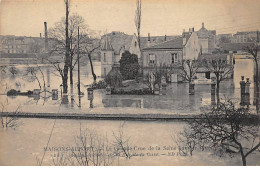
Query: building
11, 44
207, 39
114, 44
223, 38
171, 53
244, 37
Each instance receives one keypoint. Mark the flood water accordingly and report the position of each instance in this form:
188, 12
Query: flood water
177, 100
26, 143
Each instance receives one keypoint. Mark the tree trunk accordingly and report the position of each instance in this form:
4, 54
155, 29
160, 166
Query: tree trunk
71, 75
65, 84
243, 160
257, 78
92, 69
217, 92
66, 65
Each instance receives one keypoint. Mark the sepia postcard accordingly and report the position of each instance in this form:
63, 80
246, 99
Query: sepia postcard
129, 83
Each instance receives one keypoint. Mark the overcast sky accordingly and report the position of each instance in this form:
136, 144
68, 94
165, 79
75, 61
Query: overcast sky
170, 17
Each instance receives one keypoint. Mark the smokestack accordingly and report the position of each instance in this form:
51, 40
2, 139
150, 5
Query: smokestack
149, 37
46, 36
40, 35
202, 24
165, 38
193, 29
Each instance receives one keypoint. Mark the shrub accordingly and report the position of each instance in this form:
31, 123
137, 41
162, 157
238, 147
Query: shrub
129, 66
114, 79
99, 85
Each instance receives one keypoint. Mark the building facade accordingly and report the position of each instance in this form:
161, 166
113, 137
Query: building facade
244, 37
170, 54
113, 45
21, 45
207, 39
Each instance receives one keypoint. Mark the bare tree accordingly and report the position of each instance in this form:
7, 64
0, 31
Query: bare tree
59, 39
188, 69
220, 68
32, 72
122, 144
227, 129
90, 47
92, 150
186, 142
138, 14
8, 119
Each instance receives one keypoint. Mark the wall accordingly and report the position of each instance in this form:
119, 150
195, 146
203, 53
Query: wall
204, 44
162, 57
134, 48
107, 63
192, 48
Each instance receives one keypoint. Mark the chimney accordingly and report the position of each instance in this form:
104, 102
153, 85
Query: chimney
46, 36
165, 38
149, 40
193, 29
40, 35
202, 24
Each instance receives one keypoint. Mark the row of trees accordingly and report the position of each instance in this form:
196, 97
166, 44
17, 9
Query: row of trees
64, 41
64, 37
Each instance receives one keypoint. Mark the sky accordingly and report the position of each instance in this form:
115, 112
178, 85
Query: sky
164, 17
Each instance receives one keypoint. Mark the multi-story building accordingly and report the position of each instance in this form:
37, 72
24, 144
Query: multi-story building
116, 43
171, 53
11, 44
243, 37
155, 51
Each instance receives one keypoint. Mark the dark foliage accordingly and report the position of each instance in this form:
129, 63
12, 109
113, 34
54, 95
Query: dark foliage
129, 66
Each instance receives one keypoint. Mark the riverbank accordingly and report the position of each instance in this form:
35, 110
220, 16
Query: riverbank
103, 116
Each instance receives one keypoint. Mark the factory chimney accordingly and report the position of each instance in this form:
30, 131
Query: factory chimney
46, 36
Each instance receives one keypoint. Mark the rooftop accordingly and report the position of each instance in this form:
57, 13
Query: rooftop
176, 43
234, 46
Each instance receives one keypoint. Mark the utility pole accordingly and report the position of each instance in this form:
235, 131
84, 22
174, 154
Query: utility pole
78, 66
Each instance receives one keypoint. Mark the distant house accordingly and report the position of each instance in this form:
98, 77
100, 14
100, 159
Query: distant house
171, 54
11, 44
243, 37
114, 44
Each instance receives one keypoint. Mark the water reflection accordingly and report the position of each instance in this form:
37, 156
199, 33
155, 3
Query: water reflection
176, 99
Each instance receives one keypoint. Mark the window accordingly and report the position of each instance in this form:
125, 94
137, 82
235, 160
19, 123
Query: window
174, 58
151, 59
105, 57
